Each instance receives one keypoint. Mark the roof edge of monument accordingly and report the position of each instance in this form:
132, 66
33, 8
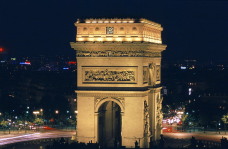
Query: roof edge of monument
117, 20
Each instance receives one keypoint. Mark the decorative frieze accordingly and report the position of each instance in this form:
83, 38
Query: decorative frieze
109, 74
120, 94
132, 48
109, 53
97, 100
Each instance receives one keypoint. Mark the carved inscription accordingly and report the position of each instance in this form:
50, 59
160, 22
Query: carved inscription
109, 74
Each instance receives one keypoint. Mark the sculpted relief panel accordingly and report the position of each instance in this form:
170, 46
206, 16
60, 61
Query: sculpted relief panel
110, 74
145, 74
158, 74
154, 74
121, 100
146, 119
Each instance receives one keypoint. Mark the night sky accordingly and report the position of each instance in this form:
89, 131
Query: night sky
192, 29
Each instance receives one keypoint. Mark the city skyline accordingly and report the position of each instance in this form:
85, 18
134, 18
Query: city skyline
192, 29
120, 87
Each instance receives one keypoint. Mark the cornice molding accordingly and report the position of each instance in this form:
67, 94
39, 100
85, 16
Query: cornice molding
124, 46
118, 49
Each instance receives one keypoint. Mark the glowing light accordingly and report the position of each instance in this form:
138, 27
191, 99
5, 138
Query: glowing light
119, 39
1, 50
183, 67
129, 39
180, 112
25, 63
36, 112
137, 39
71, 62
189, 91
100, 39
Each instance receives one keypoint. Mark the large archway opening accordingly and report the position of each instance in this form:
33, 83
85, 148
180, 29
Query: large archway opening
109, 124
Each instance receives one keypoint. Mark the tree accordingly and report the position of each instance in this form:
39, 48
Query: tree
39, 121
225, 120
4, 123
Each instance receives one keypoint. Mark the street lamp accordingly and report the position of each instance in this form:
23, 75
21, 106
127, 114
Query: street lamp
0, 115
57, 117
36, 113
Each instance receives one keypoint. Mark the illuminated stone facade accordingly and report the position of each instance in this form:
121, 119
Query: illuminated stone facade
118, 81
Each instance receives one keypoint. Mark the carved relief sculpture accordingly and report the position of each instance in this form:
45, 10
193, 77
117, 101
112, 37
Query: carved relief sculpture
146, 119
145, 74
151, 74
109, 74
158, 75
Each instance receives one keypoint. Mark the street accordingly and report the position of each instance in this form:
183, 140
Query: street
182, 139
178, 139
208, 136
14, 138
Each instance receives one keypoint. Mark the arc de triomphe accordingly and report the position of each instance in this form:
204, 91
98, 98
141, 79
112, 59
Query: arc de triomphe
118, 81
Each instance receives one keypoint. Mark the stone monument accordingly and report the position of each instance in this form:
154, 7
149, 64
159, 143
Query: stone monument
118, 81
